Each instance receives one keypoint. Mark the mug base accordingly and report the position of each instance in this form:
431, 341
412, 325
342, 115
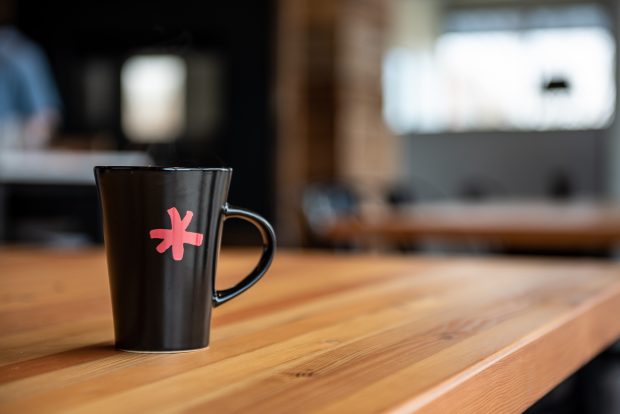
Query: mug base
179, 351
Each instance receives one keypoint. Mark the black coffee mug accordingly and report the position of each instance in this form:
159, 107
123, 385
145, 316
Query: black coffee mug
162, 231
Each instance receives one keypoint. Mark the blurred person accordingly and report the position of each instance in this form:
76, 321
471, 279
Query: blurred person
29, 101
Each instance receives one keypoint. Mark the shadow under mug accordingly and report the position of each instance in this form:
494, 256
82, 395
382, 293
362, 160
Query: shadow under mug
162, 231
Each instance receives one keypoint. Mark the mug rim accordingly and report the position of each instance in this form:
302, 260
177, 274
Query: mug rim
157, 168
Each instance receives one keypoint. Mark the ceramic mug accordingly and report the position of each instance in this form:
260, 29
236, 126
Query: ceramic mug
162, 231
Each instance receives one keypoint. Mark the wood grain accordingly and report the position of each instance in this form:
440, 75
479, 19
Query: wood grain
321, 333
537, 225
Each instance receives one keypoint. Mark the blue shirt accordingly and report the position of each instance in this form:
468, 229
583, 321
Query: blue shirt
26, 84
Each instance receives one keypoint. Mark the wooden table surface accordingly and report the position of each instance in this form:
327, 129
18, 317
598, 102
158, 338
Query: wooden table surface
320, 333
514, 224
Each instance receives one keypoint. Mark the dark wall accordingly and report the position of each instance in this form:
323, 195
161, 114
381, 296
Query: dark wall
238, 33
507, 164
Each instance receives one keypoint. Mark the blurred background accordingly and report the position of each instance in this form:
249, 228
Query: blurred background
323, 108
437, 126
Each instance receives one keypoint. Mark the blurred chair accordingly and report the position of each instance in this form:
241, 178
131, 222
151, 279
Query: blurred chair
560, 186
478, 188
400, 195
323, 204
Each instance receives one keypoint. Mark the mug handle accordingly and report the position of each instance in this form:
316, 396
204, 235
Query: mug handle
269, 249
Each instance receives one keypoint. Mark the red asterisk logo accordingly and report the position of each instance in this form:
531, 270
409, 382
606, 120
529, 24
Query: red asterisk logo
176, 236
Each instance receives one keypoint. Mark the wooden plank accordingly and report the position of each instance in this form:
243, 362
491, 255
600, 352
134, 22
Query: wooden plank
321, 333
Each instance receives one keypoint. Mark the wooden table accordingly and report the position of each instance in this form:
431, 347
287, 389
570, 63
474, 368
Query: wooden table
327, 333
514, 224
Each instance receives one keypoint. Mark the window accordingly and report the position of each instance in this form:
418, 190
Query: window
537, 78
153, 98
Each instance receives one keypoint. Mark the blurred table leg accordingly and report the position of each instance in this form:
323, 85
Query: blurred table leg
3, 213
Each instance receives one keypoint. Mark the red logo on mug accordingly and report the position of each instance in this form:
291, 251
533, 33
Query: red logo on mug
177, 235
